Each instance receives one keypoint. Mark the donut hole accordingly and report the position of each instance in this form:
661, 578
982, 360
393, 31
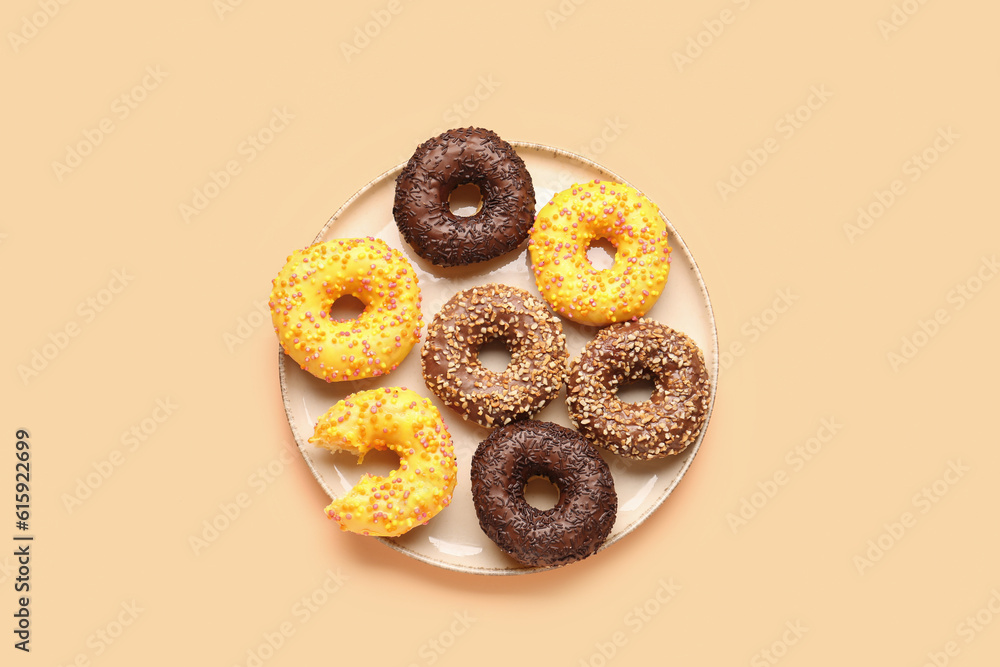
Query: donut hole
601, 254
494, 355
466, 200
541, 493
346, 307
377, 462
639, 390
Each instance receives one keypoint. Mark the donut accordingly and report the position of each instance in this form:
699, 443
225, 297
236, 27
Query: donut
476, 316
370, 345
459, 157
401, 420
587, 505
676, 411
563, 231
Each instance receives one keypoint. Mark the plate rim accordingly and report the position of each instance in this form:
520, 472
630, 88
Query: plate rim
694, 447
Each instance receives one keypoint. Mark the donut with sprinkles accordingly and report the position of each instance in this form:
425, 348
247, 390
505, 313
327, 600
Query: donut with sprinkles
565, 228
464, 156
400, 420
583, 516
370, 345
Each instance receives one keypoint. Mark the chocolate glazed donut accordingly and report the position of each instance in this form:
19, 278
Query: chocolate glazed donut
675, 413
460, 157
474, 317
582, 518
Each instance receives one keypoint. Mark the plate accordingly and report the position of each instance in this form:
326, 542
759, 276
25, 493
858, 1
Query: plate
453, 539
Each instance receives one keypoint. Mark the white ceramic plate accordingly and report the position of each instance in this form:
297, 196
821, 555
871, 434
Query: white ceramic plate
453, 539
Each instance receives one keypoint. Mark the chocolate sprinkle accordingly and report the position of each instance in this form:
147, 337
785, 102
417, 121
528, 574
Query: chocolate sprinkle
449, 160
582, 518
531, 333
673, 416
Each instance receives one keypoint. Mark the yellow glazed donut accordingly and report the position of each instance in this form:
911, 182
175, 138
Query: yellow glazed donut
400, 420
565, 228
372, 344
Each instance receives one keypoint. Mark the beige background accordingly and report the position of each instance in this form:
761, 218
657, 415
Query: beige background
177, 323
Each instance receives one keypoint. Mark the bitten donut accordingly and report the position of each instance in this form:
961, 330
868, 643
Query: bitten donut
676, 411
533, 336
400, 420
582, 518
564, 230
460, 157
370, 345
